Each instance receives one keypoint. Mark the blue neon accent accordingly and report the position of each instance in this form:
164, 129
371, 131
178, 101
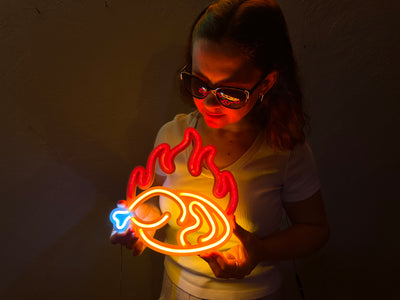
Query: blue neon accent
120, 218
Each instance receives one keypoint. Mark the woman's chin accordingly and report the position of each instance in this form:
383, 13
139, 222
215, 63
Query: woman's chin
214, 124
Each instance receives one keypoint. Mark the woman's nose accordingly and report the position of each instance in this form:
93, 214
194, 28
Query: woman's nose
211, 99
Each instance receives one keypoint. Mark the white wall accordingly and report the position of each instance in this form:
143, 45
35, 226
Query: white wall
84, 87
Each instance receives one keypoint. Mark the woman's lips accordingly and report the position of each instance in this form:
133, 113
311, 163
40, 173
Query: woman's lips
214, 115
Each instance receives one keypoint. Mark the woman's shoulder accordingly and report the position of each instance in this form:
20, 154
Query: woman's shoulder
186, 120
301, 174
172, 131
300, 151
182, 121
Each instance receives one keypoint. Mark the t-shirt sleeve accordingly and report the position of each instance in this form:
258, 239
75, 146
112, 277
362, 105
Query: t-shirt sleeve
301, 179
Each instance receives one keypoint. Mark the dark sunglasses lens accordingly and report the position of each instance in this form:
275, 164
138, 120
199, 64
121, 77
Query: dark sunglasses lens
228, 97
194, 86
232, 98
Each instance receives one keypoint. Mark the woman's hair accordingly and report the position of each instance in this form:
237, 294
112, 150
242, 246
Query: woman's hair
259, 29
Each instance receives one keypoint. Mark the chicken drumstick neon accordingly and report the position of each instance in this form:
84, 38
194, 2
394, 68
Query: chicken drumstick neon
193, 207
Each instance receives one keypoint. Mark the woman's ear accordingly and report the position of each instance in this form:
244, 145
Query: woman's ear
269, 82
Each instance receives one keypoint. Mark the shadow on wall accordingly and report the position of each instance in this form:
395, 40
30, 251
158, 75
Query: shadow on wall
89, 140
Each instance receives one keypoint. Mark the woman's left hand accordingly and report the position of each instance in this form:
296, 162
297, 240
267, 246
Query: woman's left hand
238, 261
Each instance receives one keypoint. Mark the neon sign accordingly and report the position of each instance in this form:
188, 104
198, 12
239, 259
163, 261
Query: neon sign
195, 210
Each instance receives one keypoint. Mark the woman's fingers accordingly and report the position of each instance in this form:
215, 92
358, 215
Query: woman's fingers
129, 240
138, 248
213, 265
121, 238
242, 234
221, 265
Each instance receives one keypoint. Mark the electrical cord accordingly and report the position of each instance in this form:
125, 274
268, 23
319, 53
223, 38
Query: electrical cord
120, 275
299, 285
298, 281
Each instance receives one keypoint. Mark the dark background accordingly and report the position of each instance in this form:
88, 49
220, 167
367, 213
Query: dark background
86, 84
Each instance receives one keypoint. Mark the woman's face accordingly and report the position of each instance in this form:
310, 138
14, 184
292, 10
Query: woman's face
223, 64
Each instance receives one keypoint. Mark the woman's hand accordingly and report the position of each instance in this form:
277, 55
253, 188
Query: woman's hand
309, 232
128, 238
238, 261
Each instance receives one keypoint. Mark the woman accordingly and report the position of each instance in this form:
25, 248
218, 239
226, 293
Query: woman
241, 76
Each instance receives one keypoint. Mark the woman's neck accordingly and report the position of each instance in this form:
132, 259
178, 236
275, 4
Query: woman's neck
230, 141
244, 126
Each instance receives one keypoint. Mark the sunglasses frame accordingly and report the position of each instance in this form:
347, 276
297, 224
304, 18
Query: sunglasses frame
247, 92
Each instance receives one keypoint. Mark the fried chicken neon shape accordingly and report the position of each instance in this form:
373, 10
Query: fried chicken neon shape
195, 209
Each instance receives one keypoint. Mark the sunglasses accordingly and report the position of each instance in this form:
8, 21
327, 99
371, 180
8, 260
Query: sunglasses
229, 97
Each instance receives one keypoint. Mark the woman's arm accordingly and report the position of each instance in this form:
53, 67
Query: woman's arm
309, 232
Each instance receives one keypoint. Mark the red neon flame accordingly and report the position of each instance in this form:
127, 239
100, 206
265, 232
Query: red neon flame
192, 205
224, 181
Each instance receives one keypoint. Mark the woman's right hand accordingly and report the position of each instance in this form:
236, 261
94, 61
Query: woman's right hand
129, 239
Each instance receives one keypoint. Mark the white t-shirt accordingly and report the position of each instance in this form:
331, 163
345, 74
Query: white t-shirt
265, 178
